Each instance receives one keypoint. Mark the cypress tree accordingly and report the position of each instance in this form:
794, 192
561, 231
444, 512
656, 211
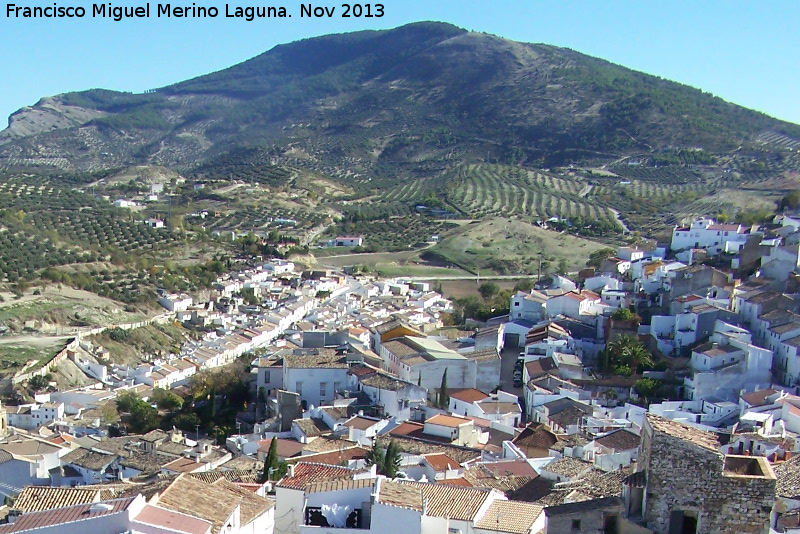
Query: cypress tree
443, 397
271, 461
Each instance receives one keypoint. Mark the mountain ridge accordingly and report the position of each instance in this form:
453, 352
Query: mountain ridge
403, 103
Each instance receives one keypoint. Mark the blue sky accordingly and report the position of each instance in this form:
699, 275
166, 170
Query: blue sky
744, 52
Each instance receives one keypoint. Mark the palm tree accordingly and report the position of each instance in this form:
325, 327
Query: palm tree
637, 356
630, 351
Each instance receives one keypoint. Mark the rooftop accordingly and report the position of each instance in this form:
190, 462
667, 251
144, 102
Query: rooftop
759, 398
516, 517
61, 516
567, 466
447, 420
619, 440
306, 473
454, 502
706, 440
468, 395
39, 498
158, 516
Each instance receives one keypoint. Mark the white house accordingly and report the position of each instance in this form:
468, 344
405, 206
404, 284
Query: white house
315, 374
575, 304
710, 236
32, 416
348, 241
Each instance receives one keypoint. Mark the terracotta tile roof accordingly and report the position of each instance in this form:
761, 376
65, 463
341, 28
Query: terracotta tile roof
336, 458
542, 366
286, 448
62, 516
311, 427
397, 494
39, 498
582, 506
447, 420
788, 475
706, 440
306, 473
251, 505
505, 476
212, 502
516, 517
460, 481
326, 444
88, 459
440, 461
171, 520
620, 440
468, 395
567, 466
339, 484
411, 445
184, 465
237, 476
454, 502
535, 435
360, 422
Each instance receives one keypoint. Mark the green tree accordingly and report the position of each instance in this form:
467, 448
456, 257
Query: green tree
391, 461
488, 290
629, 351
647, 387
271, 461
790, 200
167, 400
444, 399
376, 456
40, 382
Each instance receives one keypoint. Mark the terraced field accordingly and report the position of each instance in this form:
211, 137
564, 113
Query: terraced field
484, 190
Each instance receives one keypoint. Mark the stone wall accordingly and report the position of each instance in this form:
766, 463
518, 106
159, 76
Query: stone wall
684, 476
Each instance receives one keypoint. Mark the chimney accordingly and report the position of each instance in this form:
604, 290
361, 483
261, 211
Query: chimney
290, 471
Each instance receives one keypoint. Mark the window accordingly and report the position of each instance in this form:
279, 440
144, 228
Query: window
323, 387
266, 376
516, 304
298, 387
576, 524
337, 386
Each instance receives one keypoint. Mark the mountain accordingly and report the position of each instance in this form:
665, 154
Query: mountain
379, 107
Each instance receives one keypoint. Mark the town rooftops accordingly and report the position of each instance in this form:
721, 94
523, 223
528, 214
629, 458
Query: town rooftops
758, 398
39, 498
212, 502
360, 422
582, 506
701, 438
172, 520
66, 515
312, 427
516, 517
542, 366
447, 420
306, 473
567, 466
468, 395
619, 440
713, 349
440, 461
535, 435
454, 502
402, 495
336, 457
315, 359
788, 478
339, 484
384, 381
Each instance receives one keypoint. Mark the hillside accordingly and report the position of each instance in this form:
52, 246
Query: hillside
376, 107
